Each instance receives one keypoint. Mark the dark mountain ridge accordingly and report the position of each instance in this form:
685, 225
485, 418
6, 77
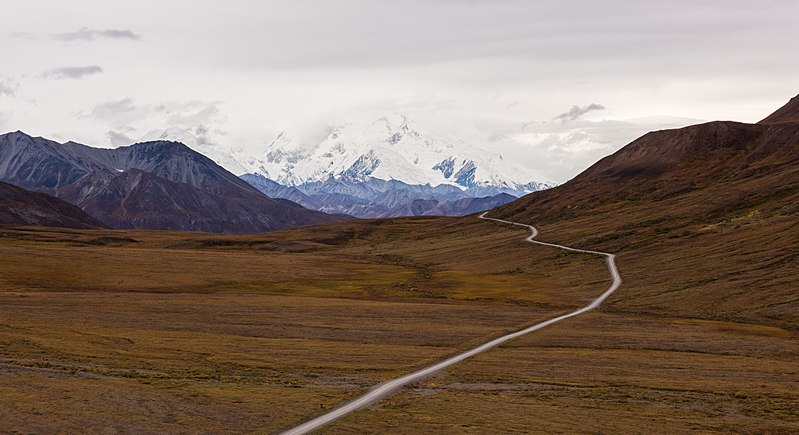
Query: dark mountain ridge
152, 185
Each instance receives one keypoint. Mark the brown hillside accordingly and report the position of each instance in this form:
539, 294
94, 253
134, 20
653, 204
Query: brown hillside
787, 113
705, 219
732, 164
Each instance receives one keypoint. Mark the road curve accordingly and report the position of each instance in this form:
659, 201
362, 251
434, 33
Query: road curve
389, 387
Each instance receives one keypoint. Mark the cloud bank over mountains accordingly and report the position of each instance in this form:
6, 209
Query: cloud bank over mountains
552, 84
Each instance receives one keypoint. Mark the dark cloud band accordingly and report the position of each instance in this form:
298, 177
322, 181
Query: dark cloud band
86, 34
576, 112
73, 72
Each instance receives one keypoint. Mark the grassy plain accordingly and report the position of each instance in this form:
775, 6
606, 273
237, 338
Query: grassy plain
608, 373
151, 331
702, 336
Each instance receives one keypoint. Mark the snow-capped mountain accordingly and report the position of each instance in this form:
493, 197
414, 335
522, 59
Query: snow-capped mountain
382, 168
390, 148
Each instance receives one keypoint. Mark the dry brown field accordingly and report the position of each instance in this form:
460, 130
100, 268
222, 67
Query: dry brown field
136, 331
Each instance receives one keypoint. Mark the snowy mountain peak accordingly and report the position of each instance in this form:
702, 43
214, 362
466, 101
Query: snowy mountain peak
392, 147
388, 148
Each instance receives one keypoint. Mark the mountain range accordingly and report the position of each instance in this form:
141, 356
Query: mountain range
389, 148
375, 198
383, 168
154, 185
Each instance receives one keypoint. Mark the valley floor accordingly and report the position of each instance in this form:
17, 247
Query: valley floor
149, 332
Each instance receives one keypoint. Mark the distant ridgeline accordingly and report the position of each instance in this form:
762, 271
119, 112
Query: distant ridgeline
155, 185
376, 198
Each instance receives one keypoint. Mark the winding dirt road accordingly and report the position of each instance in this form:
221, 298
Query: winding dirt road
389, 387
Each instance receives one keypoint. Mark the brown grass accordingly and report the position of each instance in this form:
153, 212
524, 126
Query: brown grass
609, 373
150, 331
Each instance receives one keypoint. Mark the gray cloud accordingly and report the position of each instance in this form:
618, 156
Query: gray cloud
192, 113
86, 34
369, 33
452, 64
117, 138
192, 122
7, 88
202, 135
576, 112
10, 88
126, 111
73, 72
113, 109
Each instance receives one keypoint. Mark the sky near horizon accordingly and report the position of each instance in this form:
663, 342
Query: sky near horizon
553, 85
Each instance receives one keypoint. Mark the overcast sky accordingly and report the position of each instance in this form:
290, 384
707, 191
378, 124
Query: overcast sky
552, 84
